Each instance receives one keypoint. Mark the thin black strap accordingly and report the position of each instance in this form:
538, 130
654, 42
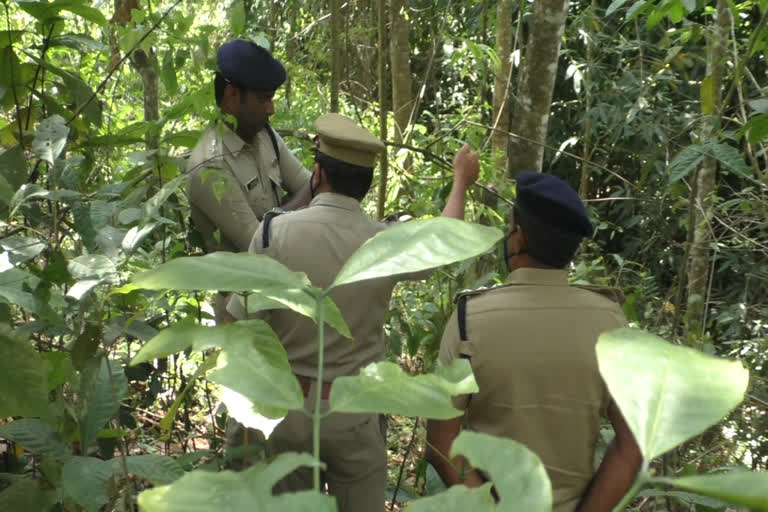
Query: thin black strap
273, 138
461, 311
266, 221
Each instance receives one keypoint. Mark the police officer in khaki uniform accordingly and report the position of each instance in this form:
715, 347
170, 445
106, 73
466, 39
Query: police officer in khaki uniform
237, 173
531, 344
318, 240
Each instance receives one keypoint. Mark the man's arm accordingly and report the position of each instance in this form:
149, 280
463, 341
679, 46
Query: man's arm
440, 436
466, 167
300, 199
617, 471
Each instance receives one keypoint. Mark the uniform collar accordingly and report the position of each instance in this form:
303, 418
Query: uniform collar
540, 276
336, 201
231, 140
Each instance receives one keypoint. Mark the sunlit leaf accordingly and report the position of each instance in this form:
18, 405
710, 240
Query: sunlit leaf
246, 491
384, 387
745, 488
415, 246
50, 138
667, 393
240, 272
18, 249
523, 485
458, 497
252, 361
237, 17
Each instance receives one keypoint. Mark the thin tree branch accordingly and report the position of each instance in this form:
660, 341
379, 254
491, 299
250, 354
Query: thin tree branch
13, 79
125, 57
46, 45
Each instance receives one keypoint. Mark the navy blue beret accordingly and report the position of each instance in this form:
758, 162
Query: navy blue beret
551, 201
250, 66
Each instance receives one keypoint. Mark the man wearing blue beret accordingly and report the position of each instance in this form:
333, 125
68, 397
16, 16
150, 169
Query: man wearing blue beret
240, 172
531, 344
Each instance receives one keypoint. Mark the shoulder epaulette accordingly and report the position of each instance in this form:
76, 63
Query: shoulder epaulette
265, 223
609, 293
482, 290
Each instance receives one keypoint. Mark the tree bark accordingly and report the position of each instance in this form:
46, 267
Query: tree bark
588, 98
531, 115
501, 87
144, 65
400, 61
336, 53
703, 192
384, 163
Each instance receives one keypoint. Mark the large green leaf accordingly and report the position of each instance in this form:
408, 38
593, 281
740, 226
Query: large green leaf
756, 128
246, 491
252, 361
35, 436
50, 138
685, 162
13, 167
26, 494
241, 272
303, 302
457, 497
103, 386
23, 383
745, 488
667, 393
384, 387
18, 249
254, 364
28, 302
522, 485
85, 479
157, 469
415, 246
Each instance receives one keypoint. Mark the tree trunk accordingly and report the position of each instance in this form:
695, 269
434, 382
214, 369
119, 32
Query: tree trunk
144, 65
501, 87
699, 262
531, 114
400, 58
384, 163
588, 98
336, 52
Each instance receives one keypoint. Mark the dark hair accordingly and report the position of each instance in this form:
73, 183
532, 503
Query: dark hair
219, 84
347, 179
548, 244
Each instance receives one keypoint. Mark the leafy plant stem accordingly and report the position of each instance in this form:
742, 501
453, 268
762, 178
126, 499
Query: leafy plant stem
46, 45
627, 499
13, 79
317, 417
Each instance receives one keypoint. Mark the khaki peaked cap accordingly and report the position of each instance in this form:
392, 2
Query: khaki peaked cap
343, 139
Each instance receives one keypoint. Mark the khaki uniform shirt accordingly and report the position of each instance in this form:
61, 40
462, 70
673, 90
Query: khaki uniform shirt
532, 348
318, 240
232, 184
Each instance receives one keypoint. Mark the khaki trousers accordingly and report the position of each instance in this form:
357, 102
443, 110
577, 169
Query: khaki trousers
352, 446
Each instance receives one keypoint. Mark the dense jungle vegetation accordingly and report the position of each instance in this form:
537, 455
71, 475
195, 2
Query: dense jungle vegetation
656, 111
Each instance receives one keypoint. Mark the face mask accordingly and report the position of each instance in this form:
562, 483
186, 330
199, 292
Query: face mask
507, 254
312, 186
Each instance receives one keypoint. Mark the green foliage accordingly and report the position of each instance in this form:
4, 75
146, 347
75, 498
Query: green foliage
36, 436
103, 385
24, 371
742, 488
666, 392
85, 480
416, 246
249, 490
384, 387
527, 487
